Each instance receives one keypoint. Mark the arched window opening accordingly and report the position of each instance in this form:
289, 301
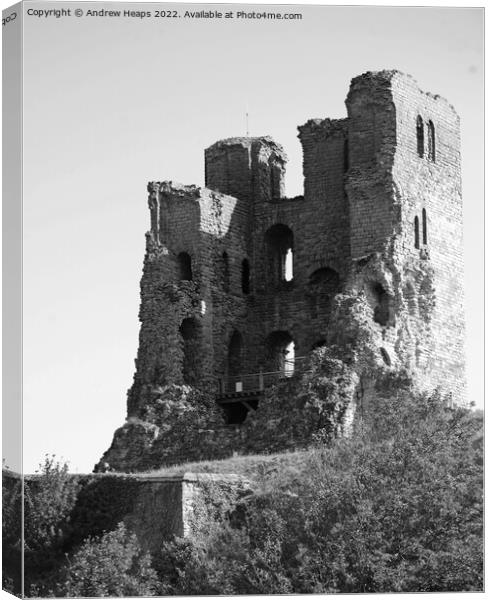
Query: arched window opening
189, 331
280, 353
235, 350
416, 232
185, 266
431, 142
226, 271
280, 253
424, 227
288, 265
379, 301
245, 276
420, 136
346, 156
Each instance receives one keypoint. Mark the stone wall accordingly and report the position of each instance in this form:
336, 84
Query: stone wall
175, 505
435, 270
155, 507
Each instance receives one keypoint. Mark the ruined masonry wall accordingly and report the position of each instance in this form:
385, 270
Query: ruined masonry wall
435, 271
364, 184
208, 223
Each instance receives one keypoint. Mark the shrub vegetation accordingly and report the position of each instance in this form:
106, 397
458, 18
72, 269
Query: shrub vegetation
397, 507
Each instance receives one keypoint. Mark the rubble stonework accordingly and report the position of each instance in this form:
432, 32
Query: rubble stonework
376, 251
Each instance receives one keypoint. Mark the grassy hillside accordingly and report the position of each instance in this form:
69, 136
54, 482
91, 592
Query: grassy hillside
396, 507
250, 465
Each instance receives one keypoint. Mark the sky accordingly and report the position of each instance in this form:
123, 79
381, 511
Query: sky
110, 104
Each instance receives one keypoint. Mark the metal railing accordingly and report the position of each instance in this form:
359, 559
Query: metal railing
256, 382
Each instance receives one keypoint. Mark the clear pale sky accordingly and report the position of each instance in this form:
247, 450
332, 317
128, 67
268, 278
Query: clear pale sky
113, 103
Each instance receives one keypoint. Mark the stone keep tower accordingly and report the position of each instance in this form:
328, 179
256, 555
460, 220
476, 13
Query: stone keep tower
241, 282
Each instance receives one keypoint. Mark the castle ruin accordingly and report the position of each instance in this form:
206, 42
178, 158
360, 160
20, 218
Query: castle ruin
241, 284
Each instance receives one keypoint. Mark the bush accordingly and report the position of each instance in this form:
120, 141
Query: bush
308, 406
112, 565
48, 501
59, 510
396, 508
11, 531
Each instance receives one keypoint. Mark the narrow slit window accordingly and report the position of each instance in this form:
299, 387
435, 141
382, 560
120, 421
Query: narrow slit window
424, 227
431, 141
420, 136
288, 265
245, 276
416, 232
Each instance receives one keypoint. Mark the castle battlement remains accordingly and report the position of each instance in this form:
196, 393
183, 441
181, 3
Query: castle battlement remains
241, 283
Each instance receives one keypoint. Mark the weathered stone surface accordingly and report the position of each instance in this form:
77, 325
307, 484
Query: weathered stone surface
377, 277
177, 424
168, 506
